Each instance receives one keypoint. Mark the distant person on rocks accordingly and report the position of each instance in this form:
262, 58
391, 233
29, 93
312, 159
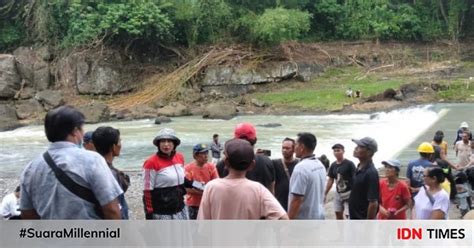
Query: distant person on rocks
462, 128
395, 197
463, 151
216, 149
358, 94
416, 167
283, 170
235, 196
363, 201
44, 196
164, 180
342, 172
349, 92
10, 207
107, 143
306, 199
87, 141
263, 171
201, 172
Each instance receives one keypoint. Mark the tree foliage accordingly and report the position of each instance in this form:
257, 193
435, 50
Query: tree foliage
72, 23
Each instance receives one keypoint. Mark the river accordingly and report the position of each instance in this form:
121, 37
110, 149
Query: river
397, 132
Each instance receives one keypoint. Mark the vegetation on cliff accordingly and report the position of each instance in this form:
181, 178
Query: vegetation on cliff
169, 23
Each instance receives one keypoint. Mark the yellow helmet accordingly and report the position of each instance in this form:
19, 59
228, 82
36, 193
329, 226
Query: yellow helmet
425, 147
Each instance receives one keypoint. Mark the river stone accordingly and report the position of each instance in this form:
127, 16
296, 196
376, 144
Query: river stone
95, 112
41, 75
220, 111
162, 119
270, 125
174, 109
8, 118
29, 109
308, 71
258, 103
9, 78
95, 73
266, 73
50, 99
27, 93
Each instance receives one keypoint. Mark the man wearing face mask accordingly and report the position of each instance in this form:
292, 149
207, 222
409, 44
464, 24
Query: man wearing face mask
46, 191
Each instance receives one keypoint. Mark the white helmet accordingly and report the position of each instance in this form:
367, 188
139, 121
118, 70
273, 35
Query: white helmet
166, 133
464, 124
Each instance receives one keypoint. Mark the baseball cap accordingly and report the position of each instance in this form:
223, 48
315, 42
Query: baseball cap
464, 124
87, 138
337, 146
239, 153
393, 163
245, 131
200, 148
367, 142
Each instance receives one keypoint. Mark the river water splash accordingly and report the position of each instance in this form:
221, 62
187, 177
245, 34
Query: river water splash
393, 131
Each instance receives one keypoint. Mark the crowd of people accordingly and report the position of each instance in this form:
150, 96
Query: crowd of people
76, 179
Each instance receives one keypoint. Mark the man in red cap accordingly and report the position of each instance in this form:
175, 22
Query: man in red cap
263, 172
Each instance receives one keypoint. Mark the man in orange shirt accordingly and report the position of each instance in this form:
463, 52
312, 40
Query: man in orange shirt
200, 171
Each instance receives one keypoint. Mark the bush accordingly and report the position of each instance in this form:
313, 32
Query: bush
279, 24
123, 21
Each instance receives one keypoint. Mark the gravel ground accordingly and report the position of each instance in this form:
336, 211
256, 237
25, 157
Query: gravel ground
134, 197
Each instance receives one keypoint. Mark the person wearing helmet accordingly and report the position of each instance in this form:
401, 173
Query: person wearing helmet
416, 167
263, 171
462, 128
201, 172
164, 179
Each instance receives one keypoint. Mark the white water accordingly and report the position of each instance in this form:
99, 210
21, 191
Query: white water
393, 131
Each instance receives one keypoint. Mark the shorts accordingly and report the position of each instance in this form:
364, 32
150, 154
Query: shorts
339, 203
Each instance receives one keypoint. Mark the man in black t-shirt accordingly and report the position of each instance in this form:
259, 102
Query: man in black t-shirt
342, 171
283, 169
263, 172
363, 201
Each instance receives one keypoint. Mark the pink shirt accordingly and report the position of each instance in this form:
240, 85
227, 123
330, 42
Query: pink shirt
225, 199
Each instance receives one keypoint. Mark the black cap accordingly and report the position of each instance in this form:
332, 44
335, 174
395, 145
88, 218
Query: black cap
337, 146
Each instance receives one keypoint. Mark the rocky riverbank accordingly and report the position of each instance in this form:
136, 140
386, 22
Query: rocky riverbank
224, 82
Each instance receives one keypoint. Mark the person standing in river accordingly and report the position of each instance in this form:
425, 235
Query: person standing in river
107, 143
283, 169
216, 149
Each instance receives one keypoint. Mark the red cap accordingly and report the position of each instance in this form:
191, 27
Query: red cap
245, 131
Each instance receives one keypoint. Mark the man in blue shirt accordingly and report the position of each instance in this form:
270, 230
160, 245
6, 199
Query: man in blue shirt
416, 167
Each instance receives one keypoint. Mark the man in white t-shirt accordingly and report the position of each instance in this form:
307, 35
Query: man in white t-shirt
11, 205
307, 182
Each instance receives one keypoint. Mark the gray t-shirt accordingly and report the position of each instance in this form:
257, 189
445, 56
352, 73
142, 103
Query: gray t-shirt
308, 180
41, 191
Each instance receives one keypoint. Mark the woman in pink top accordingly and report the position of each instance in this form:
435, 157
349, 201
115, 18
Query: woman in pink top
236, 197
